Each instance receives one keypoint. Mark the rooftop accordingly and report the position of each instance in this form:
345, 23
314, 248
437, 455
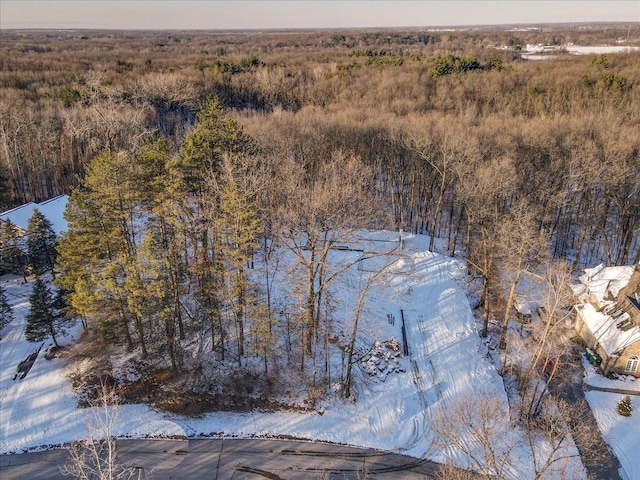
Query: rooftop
610, 324
605, 329
604, 283
52, 209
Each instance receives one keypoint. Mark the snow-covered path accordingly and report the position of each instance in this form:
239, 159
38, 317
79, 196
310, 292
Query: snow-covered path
444, 346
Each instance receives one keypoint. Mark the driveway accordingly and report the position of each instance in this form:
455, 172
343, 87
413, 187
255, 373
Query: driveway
569, 387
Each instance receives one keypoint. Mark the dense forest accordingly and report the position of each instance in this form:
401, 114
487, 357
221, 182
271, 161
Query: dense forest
186, 154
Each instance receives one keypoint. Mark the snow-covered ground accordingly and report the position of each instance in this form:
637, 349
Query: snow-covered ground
621, 433
600, 49
549, 52
579, 49
447, 362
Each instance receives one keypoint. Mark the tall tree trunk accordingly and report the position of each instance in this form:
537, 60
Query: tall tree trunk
140, 330
310, 300
239, 310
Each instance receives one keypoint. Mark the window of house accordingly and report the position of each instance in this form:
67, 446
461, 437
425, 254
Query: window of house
632, 364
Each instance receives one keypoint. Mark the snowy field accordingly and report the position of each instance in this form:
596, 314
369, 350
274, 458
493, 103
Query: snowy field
546, 52
447, 362
600, 49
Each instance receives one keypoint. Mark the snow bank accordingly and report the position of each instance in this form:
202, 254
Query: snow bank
595, 379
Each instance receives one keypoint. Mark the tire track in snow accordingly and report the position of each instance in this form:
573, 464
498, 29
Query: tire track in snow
10, 339
420, 332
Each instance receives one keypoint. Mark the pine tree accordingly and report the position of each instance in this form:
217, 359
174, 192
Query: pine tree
41, 243
98, 250
46, 315
6, 314
240, 226
5, 197
625, 407
212, 136
160, 258
12, 258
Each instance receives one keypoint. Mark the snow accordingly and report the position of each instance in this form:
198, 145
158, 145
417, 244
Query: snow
548, 52
52, 209
611, 338
579, 49
533, 56
539, 48
602, 282
594, 379
600, 49
447, 362
621, 433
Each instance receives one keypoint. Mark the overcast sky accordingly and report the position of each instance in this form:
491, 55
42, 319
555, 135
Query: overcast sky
238, 14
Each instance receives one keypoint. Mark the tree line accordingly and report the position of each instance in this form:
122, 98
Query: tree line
164, 249
566, 127
506, 160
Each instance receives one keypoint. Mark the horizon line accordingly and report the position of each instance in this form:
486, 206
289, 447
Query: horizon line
311, 29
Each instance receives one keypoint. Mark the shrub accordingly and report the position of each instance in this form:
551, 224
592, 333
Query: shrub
446, 64
625, 407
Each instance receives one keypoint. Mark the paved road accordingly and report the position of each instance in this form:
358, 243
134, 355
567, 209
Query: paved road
234, 459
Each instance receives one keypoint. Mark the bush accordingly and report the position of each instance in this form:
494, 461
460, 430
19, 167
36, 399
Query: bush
446, 64
625, 406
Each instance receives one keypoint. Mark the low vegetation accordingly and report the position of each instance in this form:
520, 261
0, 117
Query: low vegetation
625, 407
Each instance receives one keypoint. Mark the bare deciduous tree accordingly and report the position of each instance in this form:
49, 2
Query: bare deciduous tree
520, 244
95, 456
364, 290
551, 442
319, 211
477, 427
550, 334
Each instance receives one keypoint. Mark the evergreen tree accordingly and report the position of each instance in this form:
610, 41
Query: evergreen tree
161, 260
213, 136
240, 226
12, 258
46, 315
625, 407
99, 249
6, 314
5, 197
41, 243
